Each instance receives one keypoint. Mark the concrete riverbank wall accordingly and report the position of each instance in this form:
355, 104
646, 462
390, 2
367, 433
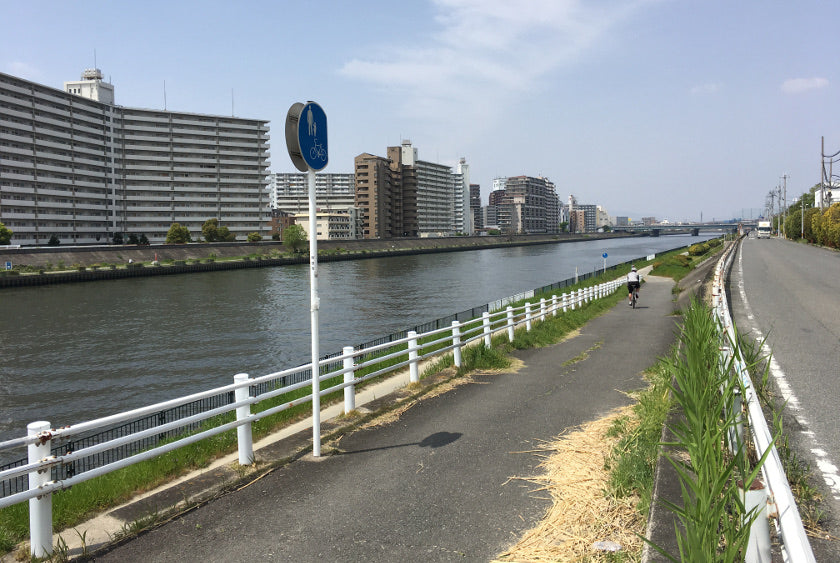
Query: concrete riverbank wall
89, 263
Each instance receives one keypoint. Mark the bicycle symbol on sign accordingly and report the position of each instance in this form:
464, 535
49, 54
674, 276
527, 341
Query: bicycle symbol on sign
318, 151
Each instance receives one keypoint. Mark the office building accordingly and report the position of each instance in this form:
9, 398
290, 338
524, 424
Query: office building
75, 165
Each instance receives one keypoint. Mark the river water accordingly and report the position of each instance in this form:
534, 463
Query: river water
79, 351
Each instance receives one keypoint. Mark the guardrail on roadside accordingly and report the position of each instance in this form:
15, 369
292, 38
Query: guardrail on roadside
781, 504
405, 352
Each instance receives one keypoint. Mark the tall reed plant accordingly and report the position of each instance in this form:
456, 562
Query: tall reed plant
714, 524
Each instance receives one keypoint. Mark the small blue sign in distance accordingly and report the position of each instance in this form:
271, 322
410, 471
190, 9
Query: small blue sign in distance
312, 136
604, 255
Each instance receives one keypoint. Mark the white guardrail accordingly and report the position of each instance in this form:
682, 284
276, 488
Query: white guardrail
780, 502
40, 434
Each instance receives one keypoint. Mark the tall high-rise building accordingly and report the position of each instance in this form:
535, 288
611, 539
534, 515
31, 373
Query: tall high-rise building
475, 207
464, 222
75, 165
378, 197
403, 196
582, 216
527, 205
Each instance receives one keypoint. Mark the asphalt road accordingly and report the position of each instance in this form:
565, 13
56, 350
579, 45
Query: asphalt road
440, 483
790, 294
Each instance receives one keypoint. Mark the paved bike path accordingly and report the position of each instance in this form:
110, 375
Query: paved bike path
435, 485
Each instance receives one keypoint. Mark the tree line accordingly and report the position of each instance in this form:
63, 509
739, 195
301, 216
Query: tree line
812, 224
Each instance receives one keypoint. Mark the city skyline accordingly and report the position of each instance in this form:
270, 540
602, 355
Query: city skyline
649, 108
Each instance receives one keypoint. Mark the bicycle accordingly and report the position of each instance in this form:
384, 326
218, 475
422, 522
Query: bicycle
634, 294
318, 151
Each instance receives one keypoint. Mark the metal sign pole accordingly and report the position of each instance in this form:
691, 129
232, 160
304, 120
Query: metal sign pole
314, 306
309, 153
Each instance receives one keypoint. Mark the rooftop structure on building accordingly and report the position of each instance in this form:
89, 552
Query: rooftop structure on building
75, 165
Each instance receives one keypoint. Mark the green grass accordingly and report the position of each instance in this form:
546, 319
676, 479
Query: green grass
632, 463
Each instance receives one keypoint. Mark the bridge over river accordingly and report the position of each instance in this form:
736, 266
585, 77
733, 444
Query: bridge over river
693, 229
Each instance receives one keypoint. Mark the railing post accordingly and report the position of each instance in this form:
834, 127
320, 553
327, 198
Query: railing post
509, 311
243, 432
758, 545
528, 316
456, 342
554, 305
40, 508
738, 427
542, 308
413, 372
350, 390
485, 321
565, 302
580, 298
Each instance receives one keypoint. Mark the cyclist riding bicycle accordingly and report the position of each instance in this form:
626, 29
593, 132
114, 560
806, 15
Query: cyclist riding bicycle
634, 282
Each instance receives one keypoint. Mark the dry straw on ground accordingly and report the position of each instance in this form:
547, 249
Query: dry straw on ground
581, 514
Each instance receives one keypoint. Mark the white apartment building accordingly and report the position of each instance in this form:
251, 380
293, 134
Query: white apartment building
464, 221
74, 165
330, 225
290, 191
602, 218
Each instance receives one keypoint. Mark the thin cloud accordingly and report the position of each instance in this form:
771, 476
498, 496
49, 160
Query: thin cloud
799, 85
707, 89
483, 52
24, 70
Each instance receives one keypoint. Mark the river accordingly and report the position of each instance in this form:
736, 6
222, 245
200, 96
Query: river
79, 351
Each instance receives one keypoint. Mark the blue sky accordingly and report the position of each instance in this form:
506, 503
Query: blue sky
666, 108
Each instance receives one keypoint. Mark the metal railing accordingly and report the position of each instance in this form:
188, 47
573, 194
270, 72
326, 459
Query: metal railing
10, 486
780, 502
59, 458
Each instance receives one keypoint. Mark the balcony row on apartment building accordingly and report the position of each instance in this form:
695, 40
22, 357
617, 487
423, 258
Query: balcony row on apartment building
75, 165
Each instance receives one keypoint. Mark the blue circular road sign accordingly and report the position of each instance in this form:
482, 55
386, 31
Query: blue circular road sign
312, 136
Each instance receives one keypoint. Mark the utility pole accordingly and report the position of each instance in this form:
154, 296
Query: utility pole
802, 221
784, 212
779, 214
772, 207
822, 172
